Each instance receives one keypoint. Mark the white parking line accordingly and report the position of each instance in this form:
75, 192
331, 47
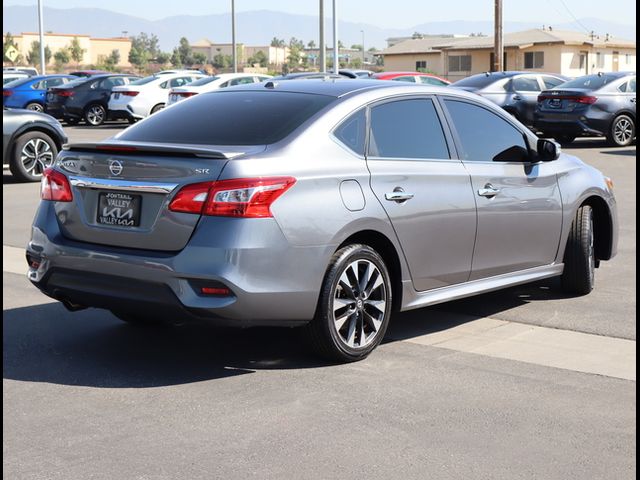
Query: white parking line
569, 350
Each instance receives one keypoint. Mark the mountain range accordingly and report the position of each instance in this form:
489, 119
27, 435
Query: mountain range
258, 27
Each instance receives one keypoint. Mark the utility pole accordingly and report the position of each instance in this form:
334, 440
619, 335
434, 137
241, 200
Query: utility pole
323, 52
336, 62
233, 36
43, 61
498, 47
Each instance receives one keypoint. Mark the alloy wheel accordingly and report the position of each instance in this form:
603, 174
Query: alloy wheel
95, 115
359, 304
623, 130
36, 156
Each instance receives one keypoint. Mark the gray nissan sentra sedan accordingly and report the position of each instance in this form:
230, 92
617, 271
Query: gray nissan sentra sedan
323, 203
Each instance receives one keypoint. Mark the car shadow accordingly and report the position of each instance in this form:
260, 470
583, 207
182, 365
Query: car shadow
583, 143
631, 152
46, 343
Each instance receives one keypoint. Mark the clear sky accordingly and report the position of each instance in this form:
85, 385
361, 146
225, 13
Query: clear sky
381, 13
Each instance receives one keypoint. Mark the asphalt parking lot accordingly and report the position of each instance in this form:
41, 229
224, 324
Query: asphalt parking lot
506, 385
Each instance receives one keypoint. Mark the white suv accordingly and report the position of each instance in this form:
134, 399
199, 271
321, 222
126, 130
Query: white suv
212, 83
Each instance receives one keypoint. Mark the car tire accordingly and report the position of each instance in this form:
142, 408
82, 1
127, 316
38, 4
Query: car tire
622, 131
578, 276
95, 115
34, 106
157, 108
565, 139
351, 318
32, 153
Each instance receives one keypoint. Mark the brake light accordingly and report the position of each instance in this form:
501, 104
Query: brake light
242, 197
587, 100
55, 186
128, 93
185, 94
64, 93
7, 93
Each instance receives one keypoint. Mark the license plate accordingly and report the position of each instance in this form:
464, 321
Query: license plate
119, 209
555, 103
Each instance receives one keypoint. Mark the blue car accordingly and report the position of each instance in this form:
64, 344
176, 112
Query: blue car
30, 92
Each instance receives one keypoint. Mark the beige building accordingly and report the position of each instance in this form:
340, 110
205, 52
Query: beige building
95, 49
276, 56
539, 50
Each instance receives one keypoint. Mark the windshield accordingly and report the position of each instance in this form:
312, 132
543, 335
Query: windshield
590, 82
145, 80
229, 118
203, 81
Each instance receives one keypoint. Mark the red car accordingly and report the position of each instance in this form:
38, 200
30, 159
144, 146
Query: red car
413, 77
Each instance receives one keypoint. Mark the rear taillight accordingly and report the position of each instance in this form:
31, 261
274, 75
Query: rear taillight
64, 93
55, 186
7, 93
242, 197
185, 94
587, 100
128, 94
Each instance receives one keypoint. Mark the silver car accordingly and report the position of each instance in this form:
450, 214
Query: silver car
327, 204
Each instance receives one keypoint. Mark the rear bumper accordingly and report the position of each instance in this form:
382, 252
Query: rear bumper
572, 124
272, 283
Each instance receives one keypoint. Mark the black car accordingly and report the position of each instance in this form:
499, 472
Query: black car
516, 92
601, 105
84, 98
30, 142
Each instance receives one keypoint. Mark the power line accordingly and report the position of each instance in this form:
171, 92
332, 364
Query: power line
574, 17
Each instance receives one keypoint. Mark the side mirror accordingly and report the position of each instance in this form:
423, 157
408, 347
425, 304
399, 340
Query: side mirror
548, 150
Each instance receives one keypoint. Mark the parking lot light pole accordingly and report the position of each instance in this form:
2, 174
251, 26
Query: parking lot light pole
41, 32
323, 51
233, 36
336, 62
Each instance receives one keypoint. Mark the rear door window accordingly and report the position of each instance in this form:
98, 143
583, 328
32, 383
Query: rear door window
526, 84
407, 129
551, 82
351, 132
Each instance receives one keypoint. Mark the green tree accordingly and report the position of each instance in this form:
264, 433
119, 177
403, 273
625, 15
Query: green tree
356, 47
144, 48
356, 63
163, 58
259, 57
340, 44
417, 35
61, 58
76, 51
33, 57
184, 52
176, 60
112, 60
277, 42
8, 42
222, 61
199, 58
311, 45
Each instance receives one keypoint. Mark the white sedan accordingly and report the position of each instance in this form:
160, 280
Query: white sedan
212, 83
143, 97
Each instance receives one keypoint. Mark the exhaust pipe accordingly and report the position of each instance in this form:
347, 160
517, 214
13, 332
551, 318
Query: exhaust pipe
72, 307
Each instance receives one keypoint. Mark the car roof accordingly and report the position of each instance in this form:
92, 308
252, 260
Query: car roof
334, 87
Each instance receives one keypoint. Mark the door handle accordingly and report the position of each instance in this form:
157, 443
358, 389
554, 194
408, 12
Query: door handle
398, 195
633, 100
488, 191
517, 97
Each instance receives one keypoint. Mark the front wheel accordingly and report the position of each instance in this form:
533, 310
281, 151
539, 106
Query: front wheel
622, 131
157, 108
33, 153
95, 115
354, 307
578, 276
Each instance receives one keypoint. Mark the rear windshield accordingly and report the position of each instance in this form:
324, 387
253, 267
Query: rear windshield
590, 82
478, 81
18, 82
229, 118
203, 81
145, 80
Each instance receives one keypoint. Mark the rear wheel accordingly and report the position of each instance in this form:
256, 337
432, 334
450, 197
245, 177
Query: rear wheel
354, 307
95, 115
565, 139
622, 131
157, 108
32, 154
578, 276
34, 106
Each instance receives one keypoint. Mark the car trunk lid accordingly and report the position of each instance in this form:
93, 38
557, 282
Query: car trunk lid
121, 191
564, 100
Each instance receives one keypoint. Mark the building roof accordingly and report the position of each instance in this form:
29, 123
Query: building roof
522, 39
203, 42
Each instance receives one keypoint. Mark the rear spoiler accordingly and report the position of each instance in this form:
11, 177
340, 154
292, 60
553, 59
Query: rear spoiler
156, 149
